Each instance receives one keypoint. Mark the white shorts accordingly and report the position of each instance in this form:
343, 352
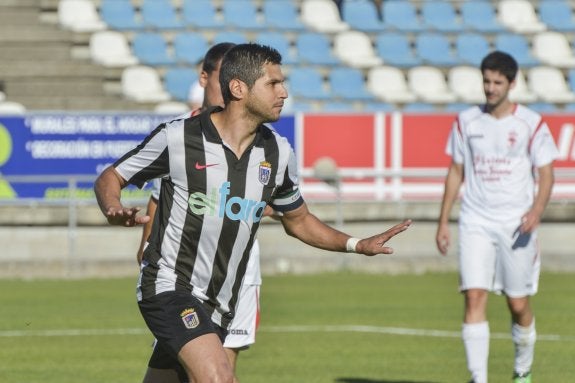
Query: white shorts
497, 258
242, 331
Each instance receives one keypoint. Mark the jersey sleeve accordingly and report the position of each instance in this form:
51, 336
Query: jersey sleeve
542, 148
155, 189
146, 161
287, 195
454, 147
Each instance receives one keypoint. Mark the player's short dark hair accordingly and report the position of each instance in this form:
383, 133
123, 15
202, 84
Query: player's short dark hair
214, 55
245, 62
501, 62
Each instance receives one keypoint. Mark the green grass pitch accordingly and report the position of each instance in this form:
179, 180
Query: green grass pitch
332, 328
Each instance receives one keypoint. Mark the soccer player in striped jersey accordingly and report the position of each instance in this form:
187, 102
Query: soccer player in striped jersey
495, 149
220, 170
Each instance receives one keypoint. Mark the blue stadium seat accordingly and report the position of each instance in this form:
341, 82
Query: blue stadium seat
377, 106
472, 47
241, 14
307, 83
190, 47
282, 15
119, 15
362, 15
151, 49
435, 49
395, 49
229, 37
480, 16
402, 15
201, 14
348, 84
440, 16
543, 107
315, 48
337, 107
571, 79
557, 14
160, 14
279, 41
177, 81
419, 107
456, 107
517, 46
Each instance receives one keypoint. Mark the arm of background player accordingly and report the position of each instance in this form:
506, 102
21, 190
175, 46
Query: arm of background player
453, 182
147, 228
532, 218
305, 226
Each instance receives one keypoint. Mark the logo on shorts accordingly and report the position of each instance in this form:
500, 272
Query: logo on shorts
190, 318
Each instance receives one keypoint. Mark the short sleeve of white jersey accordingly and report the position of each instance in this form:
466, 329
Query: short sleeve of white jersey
543, 150
288, 196
454, 147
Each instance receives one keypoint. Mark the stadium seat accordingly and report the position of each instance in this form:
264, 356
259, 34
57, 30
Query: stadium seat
120, 15
361, 15
177, 81
435, 49
337, 107
395, 49
419, 107
467, 84
201, 14
307, 83
571, 79
10, 108
440, 15
355, 49
402, 16
151, 49
242, 15
174, 108
143, 84
111, 49
557, 15
79, 16
519, 16
549, 84
471, 47
189, 47
516, 45
552, 48
543, 107
236, 37
348, 84
314, 48
160, 14
377, 106
456, 107
282, 15
520, 92
279, 41
389, 84
429, 84
480, 16
322, 16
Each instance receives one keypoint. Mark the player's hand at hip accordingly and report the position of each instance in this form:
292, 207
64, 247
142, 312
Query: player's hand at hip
375, 245
126, 216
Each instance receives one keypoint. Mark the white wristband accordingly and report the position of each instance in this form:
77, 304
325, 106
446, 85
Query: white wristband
351, 244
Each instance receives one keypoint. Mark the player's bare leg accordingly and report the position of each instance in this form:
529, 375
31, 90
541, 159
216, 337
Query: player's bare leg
205, 360
232, 354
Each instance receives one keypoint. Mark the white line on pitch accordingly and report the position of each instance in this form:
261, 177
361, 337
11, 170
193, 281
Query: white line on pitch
280, 329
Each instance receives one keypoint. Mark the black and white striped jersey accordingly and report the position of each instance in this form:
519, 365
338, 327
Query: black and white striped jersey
210, 207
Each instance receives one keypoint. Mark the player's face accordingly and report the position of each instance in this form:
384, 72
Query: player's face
496, 87
266, 98
213, 91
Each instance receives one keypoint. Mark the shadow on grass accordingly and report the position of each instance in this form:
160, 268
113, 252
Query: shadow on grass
364, 380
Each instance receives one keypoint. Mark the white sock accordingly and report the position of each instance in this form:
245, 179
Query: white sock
476, 342
524, 340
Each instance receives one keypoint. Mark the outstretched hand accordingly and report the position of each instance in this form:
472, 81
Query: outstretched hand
375, 244
126, 216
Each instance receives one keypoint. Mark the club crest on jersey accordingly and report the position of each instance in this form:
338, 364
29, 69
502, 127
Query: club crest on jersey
265, 172
190, 318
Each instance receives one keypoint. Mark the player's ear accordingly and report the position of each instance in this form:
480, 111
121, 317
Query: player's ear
203, 80
238, 89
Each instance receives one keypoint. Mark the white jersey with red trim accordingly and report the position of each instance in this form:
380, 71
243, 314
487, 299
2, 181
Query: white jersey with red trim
499, 157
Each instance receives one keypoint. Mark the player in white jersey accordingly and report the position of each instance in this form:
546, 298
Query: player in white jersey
219, 171
243, 328
495, 149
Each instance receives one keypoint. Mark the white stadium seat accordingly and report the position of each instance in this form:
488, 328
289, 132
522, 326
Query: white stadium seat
111, 49
389, 84
553, 48
550, 85
143, 84
467, 83
322, 16
429, 84
520, 92
355, 49
79, 16
519, 16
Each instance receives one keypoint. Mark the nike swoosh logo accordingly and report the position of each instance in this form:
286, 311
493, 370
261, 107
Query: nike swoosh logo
202, 167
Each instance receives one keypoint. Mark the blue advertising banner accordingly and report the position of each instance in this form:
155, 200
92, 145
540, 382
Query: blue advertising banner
51, 144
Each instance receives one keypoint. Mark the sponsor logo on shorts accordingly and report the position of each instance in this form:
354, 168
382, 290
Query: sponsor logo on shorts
190, 318
239, 331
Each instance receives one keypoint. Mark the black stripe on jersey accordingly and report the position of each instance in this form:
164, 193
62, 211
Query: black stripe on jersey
194, 152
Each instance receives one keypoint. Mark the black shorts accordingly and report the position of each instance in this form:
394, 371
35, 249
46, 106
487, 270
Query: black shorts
175, 318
